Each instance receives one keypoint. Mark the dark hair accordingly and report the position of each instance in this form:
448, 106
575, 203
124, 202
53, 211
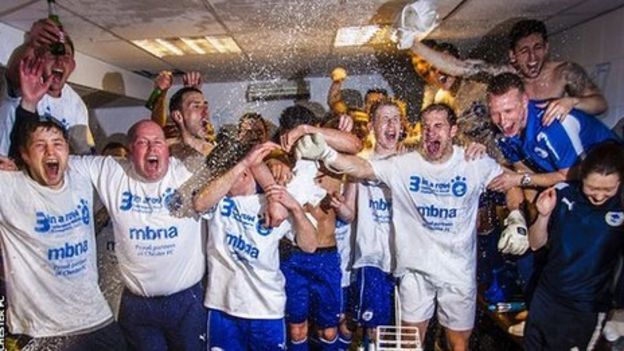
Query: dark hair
352, 98
451, 117
24, 129
386, 101
503, 83
606, 158
524, 28
175, 103
294, 116
381, 91
448, 48
112, 146
70, 42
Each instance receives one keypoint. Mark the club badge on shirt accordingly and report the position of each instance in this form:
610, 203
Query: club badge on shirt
614, 219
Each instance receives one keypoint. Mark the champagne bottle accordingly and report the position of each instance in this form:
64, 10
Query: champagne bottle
152, 100
57, 48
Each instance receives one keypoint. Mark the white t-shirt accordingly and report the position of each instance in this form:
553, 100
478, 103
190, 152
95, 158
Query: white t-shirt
48, 248
158, 254
69, 109
435, 212
374, 226
244, 278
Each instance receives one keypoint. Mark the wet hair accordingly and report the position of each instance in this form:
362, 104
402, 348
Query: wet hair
256, 135
386, 101
448, 48
25, 128
352, 98
451, 117
255, 116
175, 103
606, 158
381, 91
524, 28
503, 83
294, 116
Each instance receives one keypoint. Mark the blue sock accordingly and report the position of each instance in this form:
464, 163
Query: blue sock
329, 345
301, 345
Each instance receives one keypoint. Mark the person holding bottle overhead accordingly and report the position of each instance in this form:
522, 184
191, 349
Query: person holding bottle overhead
47, 41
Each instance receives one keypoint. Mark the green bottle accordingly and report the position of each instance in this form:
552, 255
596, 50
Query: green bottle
153, 98
57, 48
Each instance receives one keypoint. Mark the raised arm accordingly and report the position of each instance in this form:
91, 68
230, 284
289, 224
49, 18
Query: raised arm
42, 33
454, 66
334, 96
305, 232
581, 92
314, 147
218, 188
276, 213
337, 139
538, 232
163, 82
587, 97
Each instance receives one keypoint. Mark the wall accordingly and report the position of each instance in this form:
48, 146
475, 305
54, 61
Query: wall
598, 45
227, 103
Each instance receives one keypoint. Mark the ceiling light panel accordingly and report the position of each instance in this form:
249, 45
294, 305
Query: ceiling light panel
189, 46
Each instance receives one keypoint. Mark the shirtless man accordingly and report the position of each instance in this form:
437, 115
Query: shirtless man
562, 85
313, 279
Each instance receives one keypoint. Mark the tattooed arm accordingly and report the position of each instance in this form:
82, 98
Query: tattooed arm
578, 85
456, 67
581, 93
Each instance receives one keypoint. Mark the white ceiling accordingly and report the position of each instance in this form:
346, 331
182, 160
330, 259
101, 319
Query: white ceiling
279, 38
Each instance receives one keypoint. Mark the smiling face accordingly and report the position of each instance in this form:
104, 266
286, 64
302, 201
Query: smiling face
438, 136
45, 155
387, 127
58, 68
599, 188
529, 55
508, 111
149, 152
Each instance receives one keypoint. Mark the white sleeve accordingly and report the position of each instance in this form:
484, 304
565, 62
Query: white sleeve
7, 188
89, 166
488, 169
386, 170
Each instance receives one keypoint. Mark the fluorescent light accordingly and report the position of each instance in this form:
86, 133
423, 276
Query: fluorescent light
354, 36
191, 44
172, 48
188, 46
151, 47
223, 45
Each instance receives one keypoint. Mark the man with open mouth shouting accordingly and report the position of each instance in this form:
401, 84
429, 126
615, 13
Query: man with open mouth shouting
48, 240
435, 194
60, 101
161, 260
